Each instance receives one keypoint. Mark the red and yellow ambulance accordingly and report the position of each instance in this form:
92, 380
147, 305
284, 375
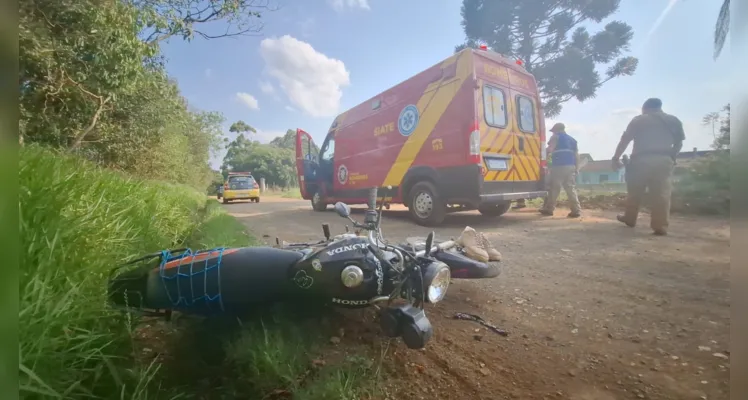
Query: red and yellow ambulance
467, 133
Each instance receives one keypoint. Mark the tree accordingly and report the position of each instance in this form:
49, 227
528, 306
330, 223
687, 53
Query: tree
550, 38
722, 140
287, 141
241, 127
711, 119
164, 19
276, 164
88, 83
721, 28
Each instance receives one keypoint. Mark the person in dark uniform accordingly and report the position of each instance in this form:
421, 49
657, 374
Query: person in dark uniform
563, 173
658, 138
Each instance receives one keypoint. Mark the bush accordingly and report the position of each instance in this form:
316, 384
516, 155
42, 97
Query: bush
77, 221
705, 187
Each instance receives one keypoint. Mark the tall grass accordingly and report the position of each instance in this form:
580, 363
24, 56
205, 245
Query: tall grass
77, 222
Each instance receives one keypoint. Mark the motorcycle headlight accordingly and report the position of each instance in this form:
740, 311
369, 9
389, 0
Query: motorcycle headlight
436, 281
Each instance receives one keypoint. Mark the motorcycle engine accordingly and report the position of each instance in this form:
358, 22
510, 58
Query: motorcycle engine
345, 271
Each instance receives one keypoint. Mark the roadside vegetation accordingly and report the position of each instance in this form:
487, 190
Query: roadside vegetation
78, 221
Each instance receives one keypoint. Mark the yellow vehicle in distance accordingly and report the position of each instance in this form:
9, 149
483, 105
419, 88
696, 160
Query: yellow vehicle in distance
241, 186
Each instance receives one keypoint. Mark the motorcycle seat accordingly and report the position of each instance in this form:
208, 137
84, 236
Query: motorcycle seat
244, 277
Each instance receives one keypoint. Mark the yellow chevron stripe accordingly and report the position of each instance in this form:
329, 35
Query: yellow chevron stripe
431, 107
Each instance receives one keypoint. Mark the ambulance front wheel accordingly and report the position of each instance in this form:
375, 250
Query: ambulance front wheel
318, 202
425, 205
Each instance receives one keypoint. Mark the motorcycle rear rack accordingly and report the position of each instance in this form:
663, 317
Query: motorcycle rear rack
186, 258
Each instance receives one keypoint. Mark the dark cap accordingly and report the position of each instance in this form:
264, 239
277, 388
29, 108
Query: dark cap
558, 127
653, 104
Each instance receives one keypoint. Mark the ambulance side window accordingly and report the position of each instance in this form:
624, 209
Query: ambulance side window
494, 108
329, 149
526, 111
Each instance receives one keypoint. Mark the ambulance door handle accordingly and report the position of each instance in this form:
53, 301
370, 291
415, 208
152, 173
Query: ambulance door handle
521, 144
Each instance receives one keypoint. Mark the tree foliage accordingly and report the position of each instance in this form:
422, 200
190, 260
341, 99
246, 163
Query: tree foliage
92, 81
164, 19
722, 139
550, 37
241, 127
721, 28
276, 162
705, 187
287, 141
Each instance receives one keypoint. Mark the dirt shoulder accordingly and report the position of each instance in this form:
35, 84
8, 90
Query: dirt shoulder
595, 310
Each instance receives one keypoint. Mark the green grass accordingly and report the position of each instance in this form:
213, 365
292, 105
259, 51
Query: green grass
77, 222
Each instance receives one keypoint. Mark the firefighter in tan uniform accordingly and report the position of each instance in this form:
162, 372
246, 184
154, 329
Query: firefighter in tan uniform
658, 138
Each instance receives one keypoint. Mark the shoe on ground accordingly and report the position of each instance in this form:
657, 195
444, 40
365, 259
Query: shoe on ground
622, 219
573, 215
660, 232
546, 213
493, 254
470, 242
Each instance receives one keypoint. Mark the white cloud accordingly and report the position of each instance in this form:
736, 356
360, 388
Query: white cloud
312, 81
208, 73
267, 87
248, 100
340, 5
289, 108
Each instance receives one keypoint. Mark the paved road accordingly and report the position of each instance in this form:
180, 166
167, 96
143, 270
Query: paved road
595, 310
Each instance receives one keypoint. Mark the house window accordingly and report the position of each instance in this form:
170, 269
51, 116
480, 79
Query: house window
603, 178
494, 108
526, 111
585, 178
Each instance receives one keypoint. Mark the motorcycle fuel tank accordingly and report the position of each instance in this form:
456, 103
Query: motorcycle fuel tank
319, 274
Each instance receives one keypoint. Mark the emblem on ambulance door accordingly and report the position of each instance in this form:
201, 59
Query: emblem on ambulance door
342, 174
408, 120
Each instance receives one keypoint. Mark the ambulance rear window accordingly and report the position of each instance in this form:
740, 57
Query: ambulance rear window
526, 111
493, 106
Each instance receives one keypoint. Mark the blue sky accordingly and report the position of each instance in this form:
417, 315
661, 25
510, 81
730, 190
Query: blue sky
316, 58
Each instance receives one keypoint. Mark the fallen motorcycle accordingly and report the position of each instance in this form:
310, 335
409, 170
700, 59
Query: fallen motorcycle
347, 270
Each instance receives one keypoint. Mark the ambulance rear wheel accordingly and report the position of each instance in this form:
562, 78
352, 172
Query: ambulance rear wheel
318, 204
425, 205
494, 210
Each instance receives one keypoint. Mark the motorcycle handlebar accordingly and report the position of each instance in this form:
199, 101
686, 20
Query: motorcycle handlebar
441, 246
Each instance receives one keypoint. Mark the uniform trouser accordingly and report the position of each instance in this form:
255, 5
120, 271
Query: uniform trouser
562, 177
653, 174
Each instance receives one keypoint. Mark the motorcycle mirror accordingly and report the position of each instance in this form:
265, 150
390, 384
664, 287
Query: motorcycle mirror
344, 210
429, 242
